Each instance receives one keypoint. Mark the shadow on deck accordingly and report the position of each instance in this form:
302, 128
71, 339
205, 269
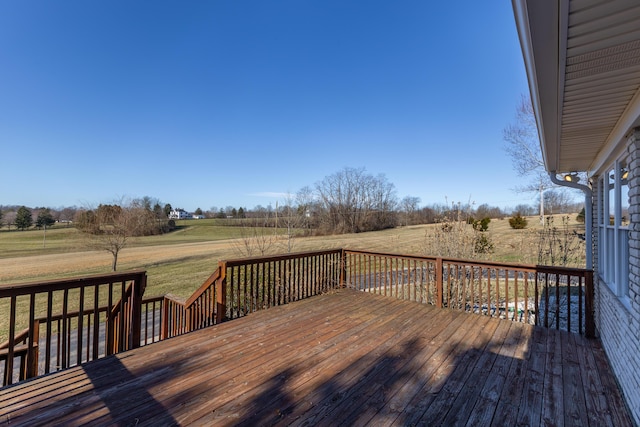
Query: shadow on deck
345, 357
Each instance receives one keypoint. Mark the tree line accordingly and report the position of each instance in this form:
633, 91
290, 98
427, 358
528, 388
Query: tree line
348, 201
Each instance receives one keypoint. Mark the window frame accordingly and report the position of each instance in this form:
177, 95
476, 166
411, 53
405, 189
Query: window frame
613, 232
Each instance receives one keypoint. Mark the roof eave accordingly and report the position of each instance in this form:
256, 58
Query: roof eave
540, 48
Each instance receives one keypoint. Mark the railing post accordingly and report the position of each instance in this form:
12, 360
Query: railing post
139, 286
221, 293
33, 352
164, 327
590, 324
439, 279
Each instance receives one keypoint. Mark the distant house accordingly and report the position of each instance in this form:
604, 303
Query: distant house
179, 214
583, 65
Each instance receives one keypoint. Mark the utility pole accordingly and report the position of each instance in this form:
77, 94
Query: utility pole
541, 203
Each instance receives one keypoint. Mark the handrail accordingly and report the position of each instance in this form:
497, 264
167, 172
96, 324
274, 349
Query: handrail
240, 286
534, 293
27, 288
21, 337
284, 257
74, 309
181, 316
203, 288
543, 295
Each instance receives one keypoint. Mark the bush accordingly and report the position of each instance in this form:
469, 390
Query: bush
483, 244
580, 217
480, 225
517, 222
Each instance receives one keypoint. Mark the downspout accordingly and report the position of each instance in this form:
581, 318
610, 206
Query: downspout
588, 213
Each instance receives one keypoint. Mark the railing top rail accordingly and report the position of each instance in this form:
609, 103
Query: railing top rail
61, 284
175, 298
157, 298
17, 339
206, 285
516, 266
255, 260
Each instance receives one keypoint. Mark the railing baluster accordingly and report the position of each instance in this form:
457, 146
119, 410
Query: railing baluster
80, 325
33, 340
580, 306
557, 304
263, 282
65, 330
568, 302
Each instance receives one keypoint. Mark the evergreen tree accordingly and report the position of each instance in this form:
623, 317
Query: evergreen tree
24, 219
157, 211
45, 219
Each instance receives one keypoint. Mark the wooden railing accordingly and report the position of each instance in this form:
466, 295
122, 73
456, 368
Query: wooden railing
73, 321
556, 297
242, 286
200, 310
259, 283
68, 322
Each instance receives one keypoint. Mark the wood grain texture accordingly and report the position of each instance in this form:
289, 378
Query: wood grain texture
341, 358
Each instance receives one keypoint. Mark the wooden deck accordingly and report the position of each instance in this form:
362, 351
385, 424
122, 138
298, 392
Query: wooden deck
342, 358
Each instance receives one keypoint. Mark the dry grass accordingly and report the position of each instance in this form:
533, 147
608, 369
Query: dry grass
176, 267
180, 268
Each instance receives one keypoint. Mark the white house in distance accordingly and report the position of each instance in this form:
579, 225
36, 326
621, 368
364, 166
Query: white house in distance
179, 214
182, 214
583, 66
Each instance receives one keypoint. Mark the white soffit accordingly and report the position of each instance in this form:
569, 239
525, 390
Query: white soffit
597, 69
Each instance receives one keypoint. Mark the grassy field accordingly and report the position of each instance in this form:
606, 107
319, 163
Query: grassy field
180, 261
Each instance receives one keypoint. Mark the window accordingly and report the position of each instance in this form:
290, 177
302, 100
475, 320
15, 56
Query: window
613, 228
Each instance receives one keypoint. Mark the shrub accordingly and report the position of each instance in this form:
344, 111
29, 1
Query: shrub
483, 244
580, 217
517, 222
480, 225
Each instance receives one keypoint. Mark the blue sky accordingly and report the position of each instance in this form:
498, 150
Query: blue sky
216, 103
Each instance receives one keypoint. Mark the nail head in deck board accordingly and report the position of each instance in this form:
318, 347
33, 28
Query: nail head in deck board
193, 375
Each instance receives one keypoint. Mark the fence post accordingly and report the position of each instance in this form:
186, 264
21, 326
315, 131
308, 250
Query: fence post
439, 279
590, 324
221, 293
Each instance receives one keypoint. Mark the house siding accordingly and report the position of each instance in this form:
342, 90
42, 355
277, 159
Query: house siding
618, 323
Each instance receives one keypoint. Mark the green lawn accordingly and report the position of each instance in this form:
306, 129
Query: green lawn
17, 243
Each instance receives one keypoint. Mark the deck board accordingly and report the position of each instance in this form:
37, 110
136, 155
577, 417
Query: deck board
344, 358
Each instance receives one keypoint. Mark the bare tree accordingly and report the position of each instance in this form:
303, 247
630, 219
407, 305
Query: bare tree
523, 146
409, 206
10, 218
291, 218
307, 204
256, 238
352, 201
525, 210
560, 200
110, 227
